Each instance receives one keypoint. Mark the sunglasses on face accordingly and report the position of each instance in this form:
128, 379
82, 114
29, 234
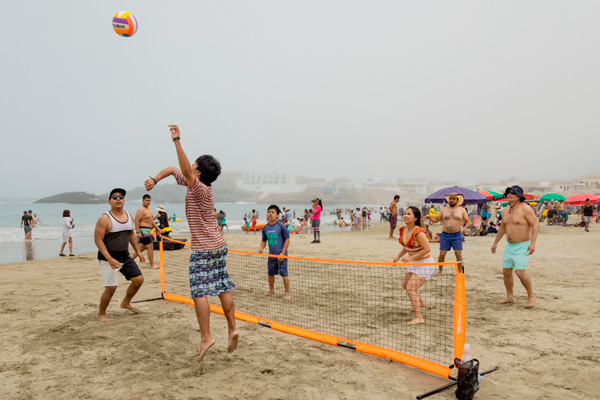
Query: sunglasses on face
512, 192
117, 196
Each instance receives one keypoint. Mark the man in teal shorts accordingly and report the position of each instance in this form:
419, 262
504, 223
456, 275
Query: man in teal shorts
521, 228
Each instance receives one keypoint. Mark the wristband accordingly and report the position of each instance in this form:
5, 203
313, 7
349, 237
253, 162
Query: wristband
176, 138
153, 180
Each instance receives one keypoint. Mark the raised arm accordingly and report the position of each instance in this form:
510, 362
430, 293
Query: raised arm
151, 182
184, 163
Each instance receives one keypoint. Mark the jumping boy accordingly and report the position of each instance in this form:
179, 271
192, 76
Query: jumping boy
279, 240
207, 267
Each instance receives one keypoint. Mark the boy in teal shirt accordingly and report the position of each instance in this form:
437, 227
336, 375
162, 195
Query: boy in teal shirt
279, 240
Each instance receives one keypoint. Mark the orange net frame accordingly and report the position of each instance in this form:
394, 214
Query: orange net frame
355, 304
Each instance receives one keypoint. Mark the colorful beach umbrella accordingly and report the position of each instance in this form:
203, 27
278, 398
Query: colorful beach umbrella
485, 193
553, 197
579, 199
497, 195
471, 197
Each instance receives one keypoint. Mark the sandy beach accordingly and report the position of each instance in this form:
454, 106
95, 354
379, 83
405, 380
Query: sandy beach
53, 346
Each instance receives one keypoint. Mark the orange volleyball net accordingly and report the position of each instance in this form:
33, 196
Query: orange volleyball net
355, 304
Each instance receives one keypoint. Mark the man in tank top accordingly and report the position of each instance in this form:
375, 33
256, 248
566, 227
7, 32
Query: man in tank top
113, 234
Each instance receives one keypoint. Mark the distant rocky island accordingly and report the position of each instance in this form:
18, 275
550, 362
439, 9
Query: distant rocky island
73, 198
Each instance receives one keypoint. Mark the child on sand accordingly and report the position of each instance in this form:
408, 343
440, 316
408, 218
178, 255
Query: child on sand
279, 240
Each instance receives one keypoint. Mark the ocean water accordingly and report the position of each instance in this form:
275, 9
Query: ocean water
47, 236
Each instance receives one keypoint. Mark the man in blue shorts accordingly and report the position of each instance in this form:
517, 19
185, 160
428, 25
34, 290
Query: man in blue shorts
520, 225
276, 234
453, 217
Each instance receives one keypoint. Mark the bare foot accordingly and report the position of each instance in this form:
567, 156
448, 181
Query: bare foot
154, 266
104, 318
269, 293
130, 308
417, 321
507, 300
530, 302
233, 341
391, 237
204, 348
423, 305
287, 297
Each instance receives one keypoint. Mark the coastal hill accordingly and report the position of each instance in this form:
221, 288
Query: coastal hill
73, 198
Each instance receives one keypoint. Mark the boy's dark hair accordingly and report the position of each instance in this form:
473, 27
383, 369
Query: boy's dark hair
396, 197
30, 211
146, 196
209, 168
24, 212
274, 207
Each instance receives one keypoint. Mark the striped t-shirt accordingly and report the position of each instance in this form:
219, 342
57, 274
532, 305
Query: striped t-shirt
199, 211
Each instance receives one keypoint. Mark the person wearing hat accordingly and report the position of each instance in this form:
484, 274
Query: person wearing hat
163, 218
453, 217
521, 228
113, 235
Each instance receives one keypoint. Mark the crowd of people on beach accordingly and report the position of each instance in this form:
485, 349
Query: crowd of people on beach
116, 230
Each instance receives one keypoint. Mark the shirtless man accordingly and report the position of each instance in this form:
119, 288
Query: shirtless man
393, 218
520, 225
453, 217
144, 222
342, 223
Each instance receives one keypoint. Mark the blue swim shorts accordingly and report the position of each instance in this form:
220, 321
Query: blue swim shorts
276, 267
451, 240
516, 255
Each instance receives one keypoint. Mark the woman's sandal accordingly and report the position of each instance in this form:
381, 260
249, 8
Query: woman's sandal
62, 255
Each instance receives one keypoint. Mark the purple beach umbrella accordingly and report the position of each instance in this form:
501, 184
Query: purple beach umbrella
471, 197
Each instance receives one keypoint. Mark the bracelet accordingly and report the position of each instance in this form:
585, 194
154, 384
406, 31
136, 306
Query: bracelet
176, 138
154, 180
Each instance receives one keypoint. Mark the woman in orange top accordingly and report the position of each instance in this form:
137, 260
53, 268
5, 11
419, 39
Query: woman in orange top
415, 251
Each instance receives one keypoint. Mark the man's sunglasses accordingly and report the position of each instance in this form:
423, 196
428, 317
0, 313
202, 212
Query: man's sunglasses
117, 196
512, 192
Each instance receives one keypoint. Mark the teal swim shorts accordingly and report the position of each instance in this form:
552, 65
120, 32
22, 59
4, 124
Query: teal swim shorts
516, 255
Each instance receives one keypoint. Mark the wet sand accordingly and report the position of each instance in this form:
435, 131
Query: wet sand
53, 347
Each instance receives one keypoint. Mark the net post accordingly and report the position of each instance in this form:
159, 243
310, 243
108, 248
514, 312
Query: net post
162, 266
460, 313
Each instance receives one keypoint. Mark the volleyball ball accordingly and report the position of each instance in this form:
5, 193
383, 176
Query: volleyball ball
125, 24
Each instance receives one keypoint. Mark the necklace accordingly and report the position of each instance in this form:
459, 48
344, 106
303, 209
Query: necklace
511, 207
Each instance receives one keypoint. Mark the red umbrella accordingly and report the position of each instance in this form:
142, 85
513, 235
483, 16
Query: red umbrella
579, 199
487, 195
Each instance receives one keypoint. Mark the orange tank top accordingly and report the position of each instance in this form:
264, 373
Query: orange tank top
412, 245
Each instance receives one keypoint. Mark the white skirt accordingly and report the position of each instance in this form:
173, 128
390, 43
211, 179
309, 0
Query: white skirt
423, 271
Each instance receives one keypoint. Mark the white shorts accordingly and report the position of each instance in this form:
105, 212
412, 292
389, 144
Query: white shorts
423, 271
587, 219
66, 238
110, 276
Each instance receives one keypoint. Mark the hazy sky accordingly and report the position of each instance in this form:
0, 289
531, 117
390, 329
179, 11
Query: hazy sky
460, 90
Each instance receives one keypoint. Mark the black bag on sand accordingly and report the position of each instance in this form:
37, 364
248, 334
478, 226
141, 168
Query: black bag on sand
467, 381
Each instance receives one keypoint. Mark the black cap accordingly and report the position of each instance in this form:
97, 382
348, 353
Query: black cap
117, 190
518, 190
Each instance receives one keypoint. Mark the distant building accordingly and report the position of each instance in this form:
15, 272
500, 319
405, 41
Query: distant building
269, 183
